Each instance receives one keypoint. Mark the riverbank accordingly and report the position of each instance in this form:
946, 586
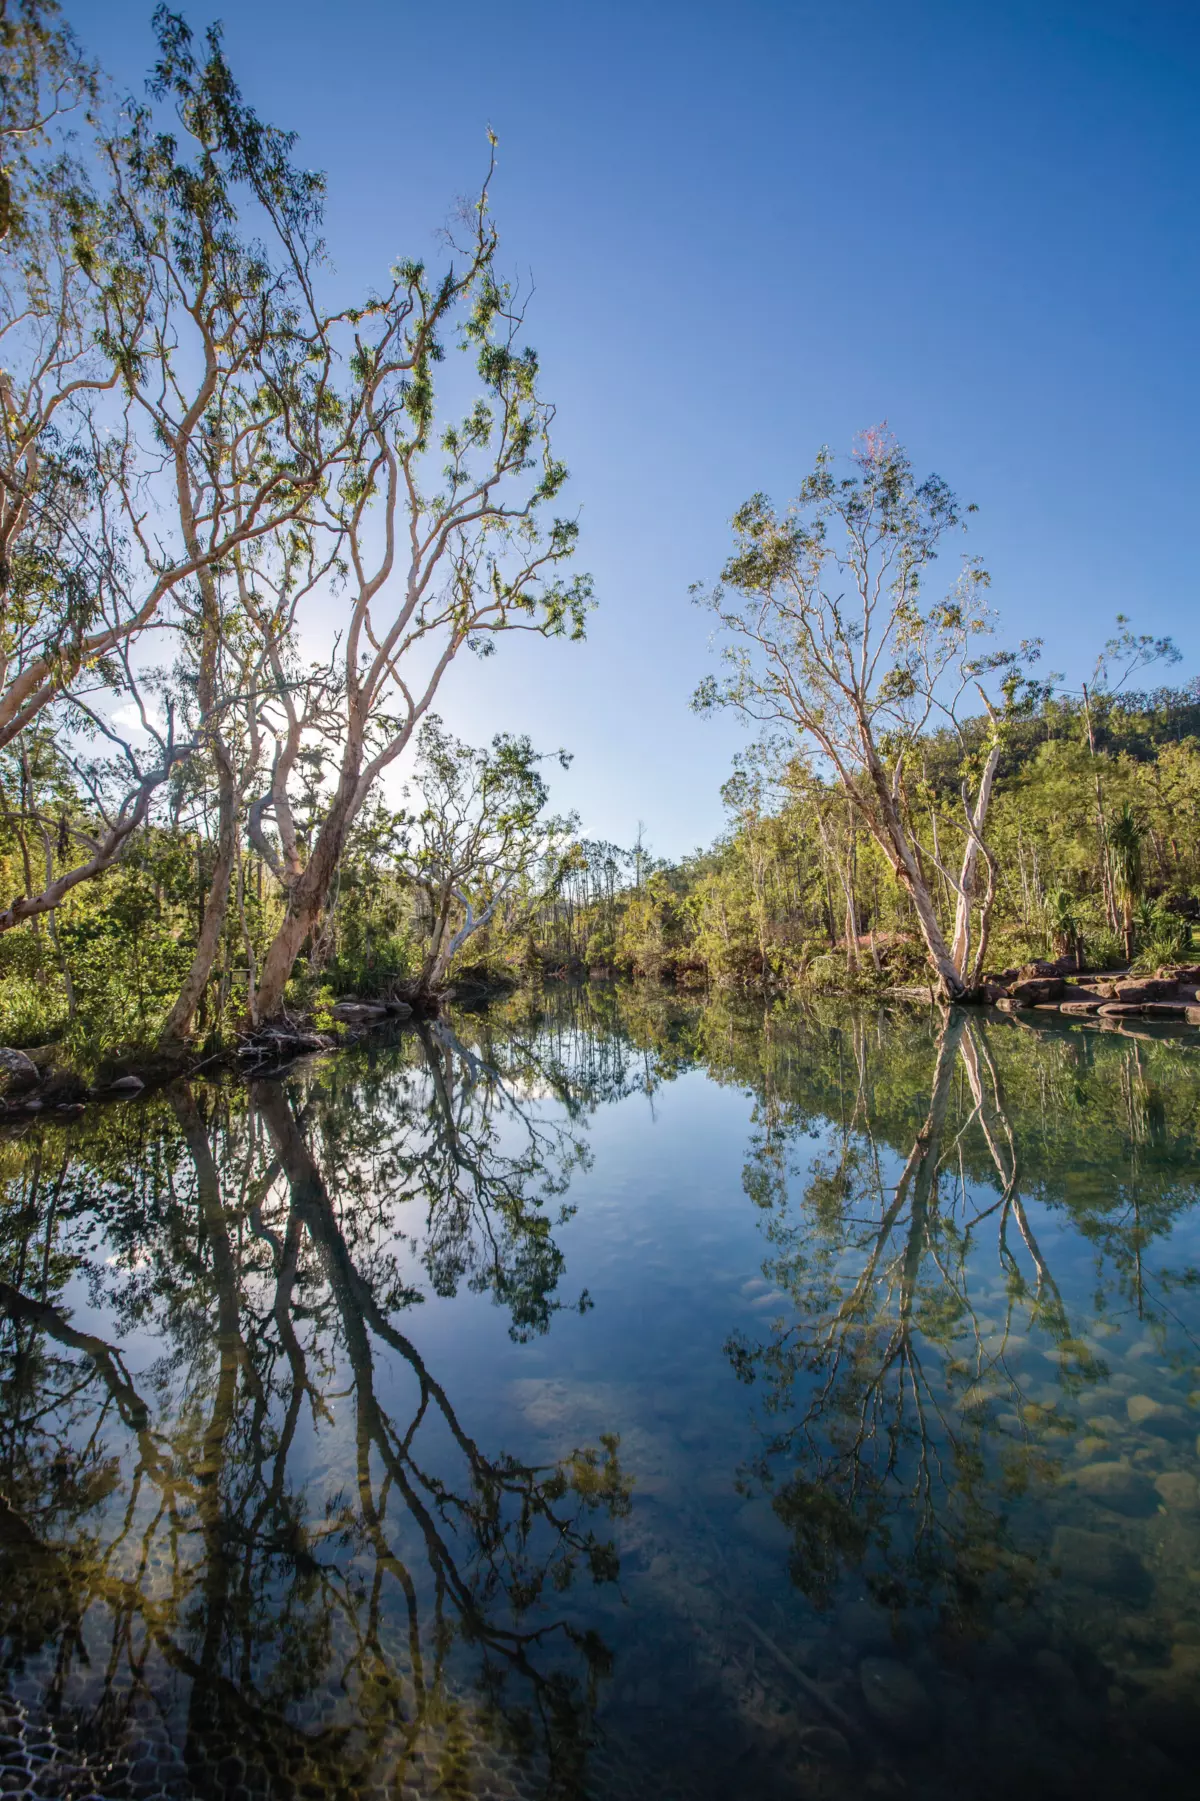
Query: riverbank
50, 1079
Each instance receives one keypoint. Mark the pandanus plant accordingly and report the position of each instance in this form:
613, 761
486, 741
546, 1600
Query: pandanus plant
1125, 837
1063, 924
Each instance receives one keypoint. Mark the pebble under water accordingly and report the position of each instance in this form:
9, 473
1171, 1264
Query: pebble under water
611, 1395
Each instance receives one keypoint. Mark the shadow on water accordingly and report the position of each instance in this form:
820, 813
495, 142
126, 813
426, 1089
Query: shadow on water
929, 1524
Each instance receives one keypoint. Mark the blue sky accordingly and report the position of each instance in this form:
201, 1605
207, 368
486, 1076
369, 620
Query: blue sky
755, 228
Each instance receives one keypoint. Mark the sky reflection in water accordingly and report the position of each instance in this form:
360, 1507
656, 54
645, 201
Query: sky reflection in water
613, 1396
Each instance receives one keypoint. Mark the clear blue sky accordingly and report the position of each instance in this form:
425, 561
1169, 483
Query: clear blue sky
755, 228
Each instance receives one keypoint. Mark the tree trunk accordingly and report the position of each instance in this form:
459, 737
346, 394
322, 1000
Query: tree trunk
310, 891
212, 926
961, 948
280, 959
887, 829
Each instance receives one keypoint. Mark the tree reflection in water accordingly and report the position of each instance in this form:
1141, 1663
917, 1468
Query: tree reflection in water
899, 1429
164, 1548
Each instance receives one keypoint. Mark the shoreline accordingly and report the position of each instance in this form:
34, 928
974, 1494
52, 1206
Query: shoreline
39, 1084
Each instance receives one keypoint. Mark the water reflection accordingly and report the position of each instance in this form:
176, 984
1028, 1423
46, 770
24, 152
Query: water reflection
988, 1474
280, 1557
884, 1466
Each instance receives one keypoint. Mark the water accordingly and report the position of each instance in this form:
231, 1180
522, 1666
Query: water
611, 1396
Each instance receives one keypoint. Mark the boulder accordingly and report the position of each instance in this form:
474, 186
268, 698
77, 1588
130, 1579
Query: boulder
1146, 989
18, 1073
897, 1699
1119, 1488
1179, 1490
1030, 991
358, 1013
1096, 1561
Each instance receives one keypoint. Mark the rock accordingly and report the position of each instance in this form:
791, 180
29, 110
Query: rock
1179, 1490
1029, 992
1164, 1421
1164, 1010
865, 1626
1094, 1560
1119, 1488
1121, 1010
979, 1396
1149, 989
759, 1521
1192, 1015
897, 1699
1088, 1006
1090, 1447
17, 1071
1107, 1425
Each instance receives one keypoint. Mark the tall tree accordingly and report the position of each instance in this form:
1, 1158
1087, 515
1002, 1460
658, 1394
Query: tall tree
830, 640
445, 547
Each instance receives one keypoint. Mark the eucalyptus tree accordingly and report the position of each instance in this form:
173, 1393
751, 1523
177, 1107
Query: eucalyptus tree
169, 350
831, 643
482, 836
446, 541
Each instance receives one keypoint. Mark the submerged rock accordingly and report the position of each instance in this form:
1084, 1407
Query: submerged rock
1119, 1488
897, 1698
1180, 1490
1094, 1560
1165, 1420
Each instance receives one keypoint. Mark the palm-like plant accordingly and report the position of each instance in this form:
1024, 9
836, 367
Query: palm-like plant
1062, 922
1125, 838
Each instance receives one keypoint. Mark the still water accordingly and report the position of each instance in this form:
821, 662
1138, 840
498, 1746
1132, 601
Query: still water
608, 1396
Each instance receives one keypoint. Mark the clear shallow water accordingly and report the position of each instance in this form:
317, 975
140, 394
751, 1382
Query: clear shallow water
613, 1397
